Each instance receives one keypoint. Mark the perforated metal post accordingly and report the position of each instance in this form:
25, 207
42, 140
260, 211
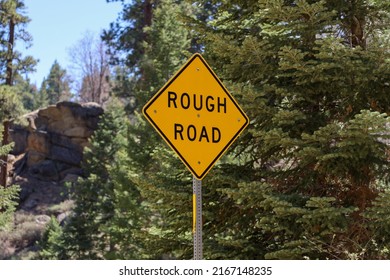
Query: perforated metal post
197, 218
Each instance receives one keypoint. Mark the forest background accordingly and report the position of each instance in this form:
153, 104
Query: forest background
308, 178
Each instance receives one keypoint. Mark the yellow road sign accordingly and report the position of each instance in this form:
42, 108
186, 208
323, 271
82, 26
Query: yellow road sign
196, 115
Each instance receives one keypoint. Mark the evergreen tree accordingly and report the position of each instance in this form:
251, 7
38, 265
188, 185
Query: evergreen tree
114, 215
309, 178
163, 175
125, 40
9, 194
167, 44
57, 84
127, 35
52, 244
107, 212
127, 229
312, 78
166, 184
26, 90
41, 98
13, 23
10, 107
138, 45
165, 50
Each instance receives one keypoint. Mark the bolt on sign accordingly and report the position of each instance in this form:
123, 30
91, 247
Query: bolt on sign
196, 115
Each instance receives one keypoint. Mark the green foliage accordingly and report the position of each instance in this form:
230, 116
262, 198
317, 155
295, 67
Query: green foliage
158, 47
309, 177
94, 195
10, 107
318, 107
10, 104
108, 212
165, 186
120, 219
9, 194
52, 244
126, 35
13, 23
160, 178
8, 203
167, 42
26, 91
125, 229
41, 98
57, 85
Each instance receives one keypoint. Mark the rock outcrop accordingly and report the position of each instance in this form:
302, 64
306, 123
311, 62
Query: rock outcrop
51, 146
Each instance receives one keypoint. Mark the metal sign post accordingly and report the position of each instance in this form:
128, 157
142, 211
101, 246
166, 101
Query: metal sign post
197, 218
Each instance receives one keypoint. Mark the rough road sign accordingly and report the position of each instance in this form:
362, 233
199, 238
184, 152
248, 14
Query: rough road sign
196, 116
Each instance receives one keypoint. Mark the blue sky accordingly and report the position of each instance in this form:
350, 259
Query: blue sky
57, 25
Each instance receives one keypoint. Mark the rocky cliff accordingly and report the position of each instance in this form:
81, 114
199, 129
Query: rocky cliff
51, 145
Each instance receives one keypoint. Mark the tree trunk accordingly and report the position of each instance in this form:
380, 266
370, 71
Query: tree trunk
357, 32
3, 159
8, 81
148, 15
10, 53
148, 12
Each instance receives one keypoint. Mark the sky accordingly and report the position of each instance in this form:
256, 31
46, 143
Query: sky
57, 25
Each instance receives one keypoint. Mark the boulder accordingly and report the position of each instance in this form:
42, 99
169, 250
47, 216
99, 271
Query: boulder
63, 218
42, 219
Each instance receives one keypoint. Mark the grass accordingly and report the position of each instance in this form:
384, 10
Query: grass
19, 240
63, 207
25, 232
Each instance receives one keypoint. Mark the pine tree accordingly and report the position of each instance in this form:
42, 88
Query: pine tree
125, 233
26, 90
9, 194
165, 186
128, 224
57, 84
312, 78
13, 23
52, 244
10, 107
41, 98
145, 54
127, 34
307, 179
166, 48
100, 222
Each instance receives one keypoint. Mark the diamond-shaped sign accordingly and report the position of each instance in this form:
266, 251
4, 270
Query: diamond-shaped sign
196, 116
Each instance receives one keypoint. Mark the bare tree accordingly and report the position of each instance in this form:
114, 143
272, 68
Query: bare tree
90, 69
